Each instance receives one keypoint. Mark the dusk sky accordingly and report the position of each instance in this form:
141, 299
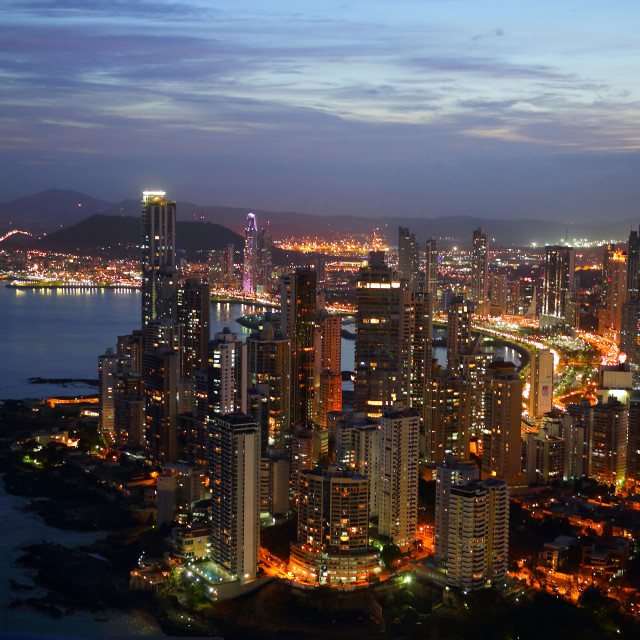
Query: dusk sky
425, 108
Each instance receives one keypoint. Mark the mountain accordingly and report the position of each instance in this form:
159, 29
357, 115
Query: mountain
55, 208
50, 209
120, 236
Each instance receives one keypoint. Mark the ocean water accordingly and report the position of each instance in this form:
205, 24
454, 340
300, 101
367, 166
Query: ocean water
18, 529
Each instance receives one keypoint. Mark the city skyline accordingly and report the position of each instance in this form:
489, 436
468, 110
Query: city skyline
426, 110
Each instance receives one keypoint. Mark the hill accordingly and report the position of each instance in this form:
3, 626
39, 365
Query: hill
50, 209
119, 236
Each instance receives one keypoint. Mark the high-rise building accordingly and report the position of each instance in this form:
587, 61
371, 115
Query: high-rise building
107, 371
447, 418
630, 333
449, 473
433, 260
159, 272
478, 535
269, 362
609, 440
408, 255
264, 264
357, 442
615, 286
480, 267
633, 266
194, 313
473, 369
250, 264
161, 376
330, 395
558, 284
332, 545
298, 319
380, 298
458, 332
501, 443
416, 349
499, 293
541, 383
398, 485
222, 268
225, 372
633, 444
234, 456
544, 456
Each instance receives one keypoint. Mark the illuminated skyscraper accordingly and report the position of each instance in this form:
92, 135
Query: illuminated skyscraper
250, 268
234, 458
480, 267
447, 418
159, 272
264, 265
269, 362
558, 284
478, 534
501, 442
541, 383
107, 370
432, 270
398, 484
449, 473
222, 268
408, 255
380, 297
615, 287
609, 442
332, 545
194, 313
458, 333
298, 317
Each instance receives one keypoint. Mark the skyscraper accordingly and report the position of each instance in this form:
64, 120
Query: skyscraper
234, 456
447, 418
432, 270
269, 362
107, 370
458, 332
161, 377
159, 272
264, 265
332, 545
194, 313
408, 255
480, 267
449, 473
558, 284
250, 266
615, 292
225, 371
398, 485
380, 298
609, 442
478, 534
298, 316
541, 383
501, 443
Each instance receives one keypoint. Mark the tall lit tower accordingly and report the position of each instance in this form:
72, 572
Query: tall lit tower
432, 270
159, 273
398, 483
458, 332
408, 255
380, 295
298, 321
541, 384
480, 266
234, 455
558, 284
249, 276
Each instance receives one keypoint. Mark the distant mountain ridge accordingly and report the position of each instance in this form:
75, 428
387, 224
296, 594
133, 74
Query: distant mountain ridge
55, 208
119, 236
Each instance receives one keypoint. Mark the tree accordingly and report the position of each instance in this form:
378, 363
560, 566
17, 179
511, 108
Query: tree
390, 554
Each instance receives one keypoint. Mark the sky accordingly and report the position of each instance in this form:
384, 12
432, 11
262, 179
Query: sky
414, 108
